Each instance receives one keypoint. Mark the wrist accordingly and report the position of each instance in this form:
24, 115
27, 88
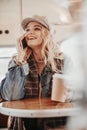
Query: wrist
18, 61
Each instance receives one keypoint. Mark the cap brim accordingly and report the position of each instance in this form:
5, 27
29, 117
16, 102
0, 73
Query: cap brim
26, 21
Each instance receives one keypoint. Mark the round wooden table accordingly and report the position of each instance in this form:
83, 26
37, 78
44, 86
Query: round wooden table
34, 107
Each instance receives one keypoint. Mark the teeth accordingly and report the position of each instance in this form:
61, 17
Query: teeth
32, 38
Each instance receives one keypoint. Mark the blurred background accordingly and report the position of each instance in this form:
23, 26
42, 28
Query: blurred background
68, 19
60, 13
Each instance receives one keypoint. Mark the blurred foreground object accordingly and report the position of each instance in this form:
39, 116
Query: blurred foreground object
80, 122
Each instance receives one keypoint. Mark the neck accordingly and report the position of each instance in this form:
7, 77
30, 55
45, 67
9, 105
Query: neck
38, 55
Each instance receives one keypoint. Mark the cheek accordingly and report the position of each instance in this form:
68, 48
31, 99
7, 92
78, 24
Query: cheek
27, 38
40, 40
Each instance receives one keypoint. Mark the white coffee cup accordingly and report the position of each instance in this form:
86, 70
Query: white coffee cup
58, 88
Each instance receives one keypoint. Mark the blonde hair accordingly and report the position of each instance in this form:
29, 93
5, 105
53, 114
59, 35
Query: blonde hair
50, 49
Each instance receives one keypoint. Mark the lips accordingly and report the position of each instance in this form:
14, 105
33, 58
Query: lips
31, 37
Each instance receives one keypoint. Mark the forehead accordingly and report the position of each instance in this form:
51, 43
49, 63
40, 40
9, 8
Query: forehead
31, 24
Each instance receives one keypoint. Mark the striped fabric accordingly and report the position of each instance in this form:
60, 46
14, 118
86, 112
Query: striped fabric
31, 84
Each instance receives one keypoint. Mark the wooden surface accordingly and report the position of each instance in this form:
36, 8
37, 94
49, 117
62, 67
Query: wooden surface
37, 108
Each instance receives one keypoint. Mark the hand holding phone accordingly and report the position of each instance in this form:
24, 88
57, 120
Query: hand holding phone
23, 50
24, 43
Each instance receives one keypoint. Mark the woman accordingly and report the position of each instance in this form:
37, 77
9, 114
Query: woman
30, 71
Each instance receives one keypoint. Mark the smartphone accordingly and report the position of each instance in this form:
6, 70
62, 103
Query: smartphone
24, 43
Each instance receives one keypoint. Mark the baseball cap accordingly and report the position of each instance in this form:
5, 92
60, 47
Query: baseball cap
36, 18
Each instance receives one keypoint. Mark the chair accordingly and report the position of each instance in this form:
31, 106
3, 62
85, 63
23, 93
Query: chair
3, 121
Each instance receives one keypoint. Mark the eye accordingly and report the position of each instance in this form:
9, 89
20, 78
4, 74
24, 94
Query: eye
37, 28
27, 30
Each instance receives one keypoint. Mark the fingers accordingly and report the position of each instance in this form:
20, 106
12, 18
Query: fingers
19, 42
23, 53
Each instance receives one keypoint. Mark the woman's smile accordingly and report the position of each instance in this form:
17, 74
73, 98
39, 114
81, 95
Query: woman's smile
34, 35
31, 37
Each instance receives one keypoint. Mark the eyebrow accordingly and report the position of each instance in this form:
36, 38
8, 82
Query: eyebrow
38, 26
35, 26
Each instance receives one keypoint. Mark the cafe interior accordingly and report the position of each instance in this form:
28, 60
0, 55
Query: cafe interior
69, 25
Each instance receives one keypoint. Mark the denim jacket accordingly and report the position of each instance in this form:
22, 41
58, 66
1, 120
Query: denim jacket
13, 86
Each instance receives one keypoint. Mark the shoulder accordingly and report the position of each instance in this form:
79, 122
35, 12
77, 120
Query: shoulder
59, 58
59, 55
11, 64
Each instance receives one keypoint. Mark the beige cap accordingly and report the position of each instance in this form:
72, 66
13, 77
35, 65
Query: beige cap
39, 19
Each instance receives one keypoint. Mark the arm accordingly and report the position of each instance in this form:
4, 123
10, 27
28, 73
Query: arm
12, 87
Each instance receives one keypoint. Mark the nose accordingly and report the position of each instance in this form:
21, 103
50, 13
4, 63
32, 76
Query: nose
31, 31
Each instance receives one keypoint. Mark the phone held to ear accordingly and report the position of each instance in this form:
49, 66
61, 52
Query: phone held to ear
24, 43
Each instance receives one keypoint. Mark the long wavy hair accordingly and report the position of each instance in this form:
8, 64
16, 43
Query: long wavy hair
50, 49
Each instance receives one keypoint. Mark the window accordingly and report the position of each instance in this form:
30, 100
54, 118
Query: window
5, 56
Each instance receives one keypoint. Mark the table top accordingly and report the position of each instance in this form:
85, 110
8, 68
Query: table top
35, 107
